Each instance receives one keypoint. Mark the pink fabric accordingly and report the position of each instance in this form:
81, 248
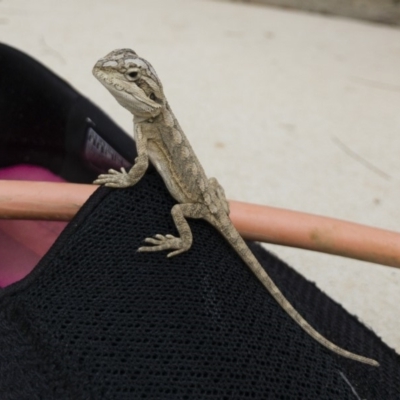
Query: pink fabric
24, 243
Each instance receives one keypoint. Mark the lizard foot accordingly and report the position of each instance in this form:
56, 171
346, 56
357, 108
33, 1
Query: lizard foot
167, 242
114, 179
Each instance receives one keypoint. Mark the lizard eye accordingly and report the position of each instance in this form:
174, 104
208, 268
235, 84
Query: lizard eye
132, 74
153, 97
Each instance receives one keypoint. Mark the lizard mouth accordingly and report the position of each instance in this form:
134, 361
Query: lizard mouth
128, 95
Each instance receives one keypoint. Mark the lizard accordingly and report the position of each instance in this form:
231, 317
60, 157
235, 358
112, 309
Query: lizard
133, 82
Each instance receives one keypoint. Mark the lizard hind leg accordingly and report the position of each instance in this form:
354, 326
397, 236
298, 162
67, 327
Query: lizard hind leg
179, 244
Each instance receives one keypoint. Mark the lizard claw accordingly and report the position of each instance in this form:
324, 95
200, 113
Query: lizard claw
164, 242
114, 179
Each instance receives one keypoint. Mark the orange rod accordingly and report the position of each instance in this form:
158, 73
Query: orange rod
313, 232
61, 201
42, 200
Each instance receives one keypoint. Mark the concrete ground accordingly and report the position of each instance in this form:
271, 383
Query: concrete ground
286, 109
381, 11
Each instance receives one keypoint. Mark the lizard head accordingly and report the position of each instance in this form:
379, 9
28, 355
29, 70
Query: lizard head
132, 81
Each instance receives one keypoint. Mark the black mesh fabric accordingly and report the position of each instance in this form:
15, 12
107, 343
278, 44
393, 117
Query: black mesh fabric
98, 320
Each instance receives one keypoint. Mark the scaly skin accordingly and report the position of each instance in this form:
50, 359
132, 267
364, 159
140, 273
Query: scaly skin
136, 86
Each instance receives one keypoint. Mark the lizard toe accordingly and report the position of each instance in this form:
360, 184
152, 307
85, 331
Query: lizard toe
161, 242
176, 252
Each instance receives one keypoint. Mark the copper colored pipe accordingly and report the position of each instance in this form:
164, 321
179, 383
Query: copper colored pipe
42, 200
61, 201
313, 232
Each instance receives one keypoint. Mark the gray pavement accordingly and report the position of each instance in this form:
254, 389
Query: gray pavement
286, 109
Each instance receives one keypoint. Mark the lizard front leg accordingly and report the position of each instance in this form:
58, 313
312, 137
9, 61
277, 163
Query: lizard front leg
182, 243
123, 179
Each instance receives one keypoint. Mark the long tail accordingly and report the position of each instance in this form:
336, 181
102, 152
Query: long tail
224, 225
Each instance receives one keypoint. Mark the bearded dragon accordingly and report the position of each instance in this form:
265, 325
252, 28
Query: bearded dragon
135, 85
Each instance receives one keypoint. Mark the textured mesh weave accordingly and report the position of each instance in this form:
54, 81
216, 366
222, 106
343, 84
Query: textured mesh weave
97, 320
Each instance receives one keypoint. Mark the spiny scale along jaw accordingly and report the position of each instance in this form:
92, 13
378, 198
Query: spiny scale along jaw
133, 82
